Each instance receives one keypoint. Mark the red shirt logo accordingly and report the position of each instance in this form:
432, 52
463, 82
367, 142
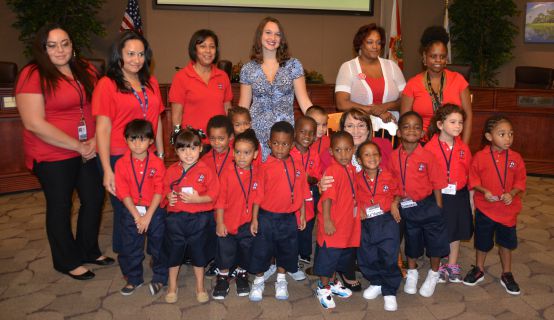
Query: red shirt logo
152, 172
421, 167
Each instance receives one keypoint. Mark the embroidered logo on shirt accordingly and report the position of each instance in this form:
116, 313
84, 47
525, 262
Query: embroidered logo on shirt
298, 173
512, 164
152, 172
462, 155
254, 186
201, 178
220, 86
421, 167
385, 188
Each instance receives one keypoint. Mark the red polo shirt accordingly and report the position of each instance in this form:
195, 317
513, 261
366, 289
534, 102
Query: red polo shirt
233, 196
62, 109
274, 193
422, 174
384, 145
459, 157
347, 223
311, 164
217, 161
321, 145
483, 173
200, 177
121, 108
126, 185
382, 194
200, 101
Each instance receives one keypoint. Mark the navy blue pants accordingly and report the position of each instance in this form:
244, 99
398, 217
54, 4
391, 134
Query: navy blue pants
277, 237
330, 260
118, 208
488, 231
305, 241
187, 233
425, 230
234, 249
378, 253
132, 252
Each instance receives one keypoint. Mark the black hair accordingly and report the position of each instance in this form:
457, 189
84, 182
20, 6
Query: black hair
364, 32
440, 115
364, 144
316, 109
248, 136
187, 138
220, 121
49, 73
283, 127
305, 118
200, 36
341, 135
234, 111
115, 62
491, 123
139, 128
409, 114
432, 35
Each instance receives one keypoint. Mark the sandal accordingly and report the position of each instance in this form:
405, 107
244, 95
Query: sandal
355, 287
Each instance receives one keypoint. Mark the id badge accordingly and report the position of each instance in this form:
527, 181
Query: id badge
82, 131
188, 190
141, 210
407, 203
373, 211
450, 189
495, 198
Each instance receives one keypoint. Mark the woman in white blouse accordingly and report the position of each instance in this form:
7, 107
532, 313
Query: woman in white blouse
369, 82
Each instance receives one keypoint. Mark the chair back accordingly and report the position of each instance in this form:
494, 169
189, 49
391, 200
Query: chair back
99, 64
226, 66
333, 122
8, 73
463, 69
533, 77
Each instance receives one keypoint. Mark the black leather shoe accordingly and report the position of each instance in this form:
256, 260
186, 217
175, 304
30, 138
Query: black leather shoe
104, 262
84, 276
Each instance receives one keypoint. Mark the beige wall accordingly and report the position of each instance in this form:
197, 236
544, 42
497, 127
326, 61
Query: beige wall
321, 42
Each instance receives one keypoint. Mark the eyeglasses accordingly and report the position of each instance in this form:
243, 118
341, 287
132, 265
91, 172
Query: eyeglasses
132, 54
65, 44
350, 126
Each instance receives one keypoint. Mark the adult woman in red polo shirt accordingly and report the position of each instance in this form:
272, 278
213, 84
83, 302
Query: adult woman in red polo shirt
200, 90
127, 92
436, 86
53, 95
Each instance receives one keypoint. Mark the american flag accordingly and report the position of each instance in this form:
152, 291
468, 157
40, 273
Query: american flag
131, 18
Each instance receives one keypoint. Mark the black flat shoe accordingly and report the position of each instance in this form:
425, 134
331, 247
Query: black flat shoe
84, 276
104, 262
353, 287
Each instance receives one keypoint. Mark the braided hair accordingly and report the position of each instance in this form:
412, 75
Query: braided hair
490, 124
440, 115
248, 136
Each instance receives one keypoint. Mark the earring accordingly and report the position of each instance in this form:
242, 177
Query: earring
359, 52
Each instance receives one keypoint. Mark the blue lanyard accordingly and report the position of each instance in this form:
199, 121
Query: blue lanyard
403, 173
449, 160
183, 174
143, 107
307, 160
502, 183
244, 193
351, 184
139, 185
374, 186
222, 164
291, 185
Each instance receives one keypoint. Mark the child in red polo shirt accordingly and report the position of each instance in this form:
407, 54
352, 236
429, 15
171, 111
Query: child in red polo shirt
322, 142
304, 134
454, 159
242, 121
233, 216
282, 191
498, 176
191, 189
421, 181
338, 231
380, 239
220, 134
139, 185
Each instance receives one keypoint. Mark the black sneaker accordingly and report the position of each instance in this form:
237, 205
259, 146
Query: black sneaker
243, 285
155, 287
474, 276
306, 260
212, 271
221, 288
129, 289
509, 283
233, 273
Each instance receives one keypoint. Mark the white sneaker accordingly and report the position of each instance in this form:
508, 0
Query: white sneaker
339, 290
325, 298
372, 292
281, 291
269, 272
298, 275
410, 287
257, 291
390, 303
428, 287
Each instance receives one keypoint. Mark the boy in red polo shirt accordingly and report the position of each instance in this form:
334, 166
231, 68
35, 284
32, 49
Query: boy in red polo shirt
242, 121
322, 142
233, 216
421, 181
282, 191
338, 232
498, 176
139, 185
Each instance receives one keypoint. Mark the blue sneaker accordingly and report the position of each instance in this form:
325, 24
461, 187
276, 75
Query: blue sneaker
325, 298
339, 290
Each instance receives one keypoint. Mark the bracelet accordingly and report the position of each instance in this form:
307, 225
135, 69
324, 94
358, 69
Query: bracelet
176, 128
161, 155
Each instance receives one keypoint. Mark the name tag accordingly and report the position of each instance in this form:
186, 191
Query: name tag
451, 189
495, 198
407, 203
141, 210
373, 211
82, 132
188, 190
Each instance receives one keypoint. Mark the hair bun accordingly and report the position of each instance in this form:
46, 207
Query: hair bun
433, 34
